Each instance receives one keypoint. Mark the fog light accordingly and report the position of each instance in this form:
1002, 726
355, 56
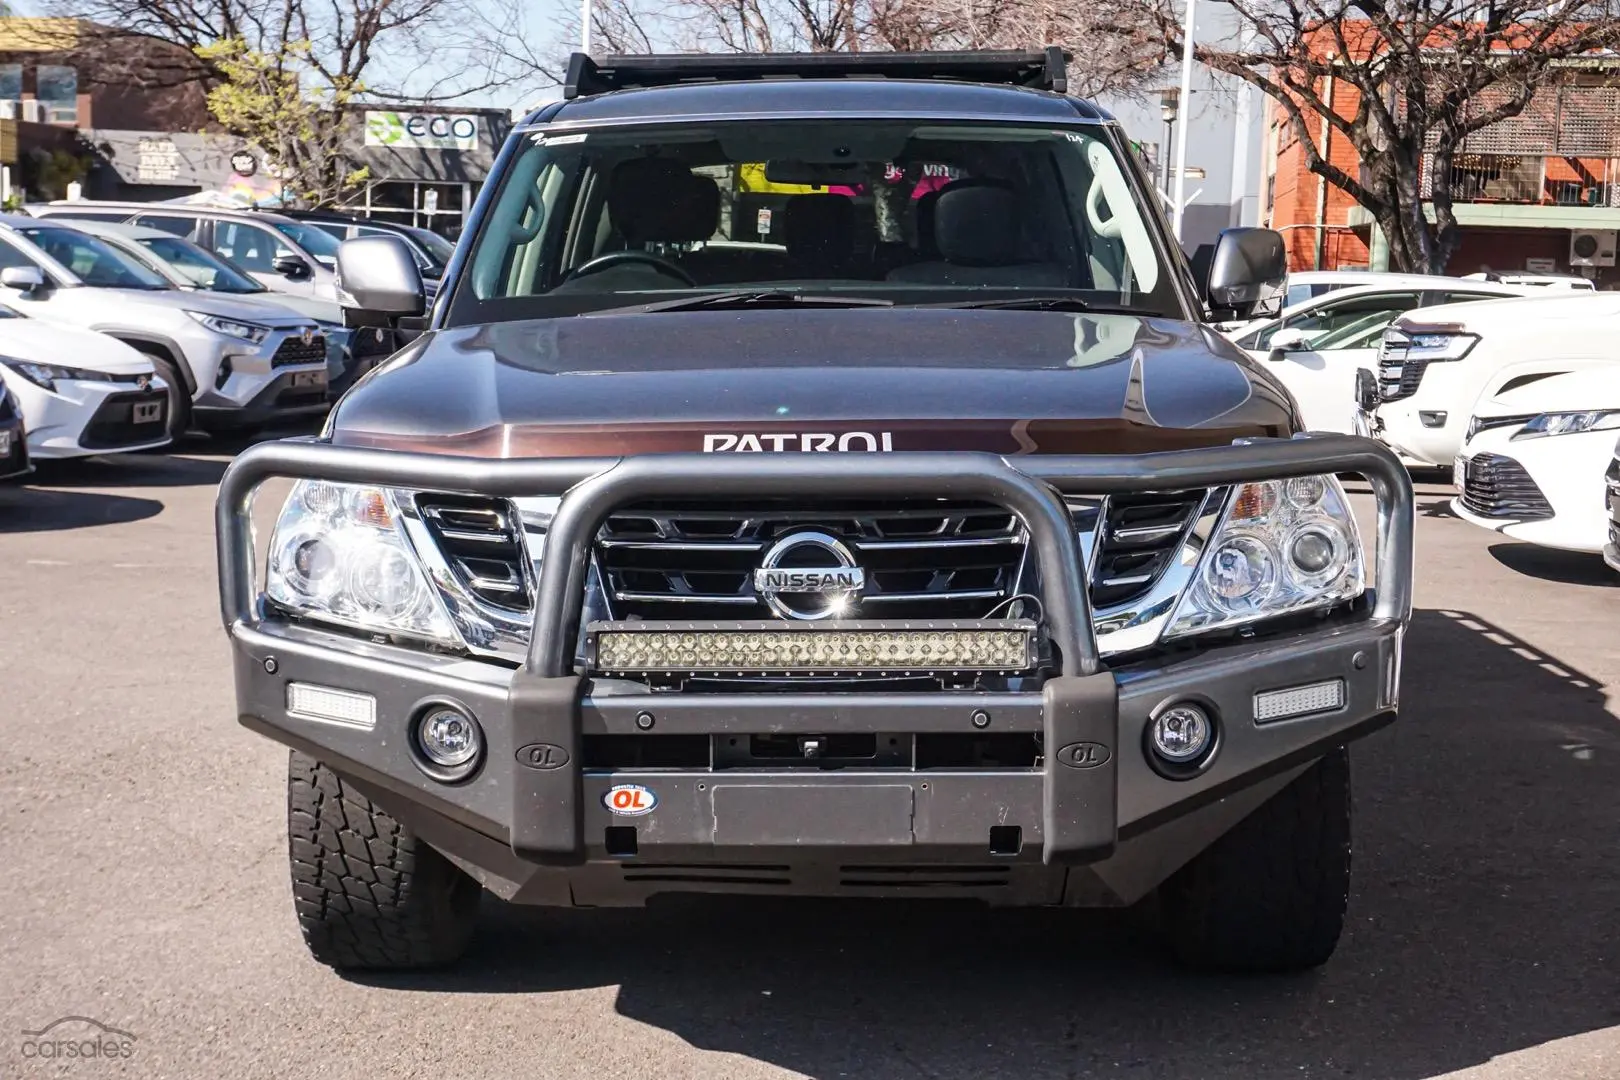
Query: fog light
1181, 734
448, 737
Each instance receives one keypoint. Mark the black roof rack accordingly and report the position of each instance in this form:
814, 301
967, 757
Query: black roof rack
1046, 69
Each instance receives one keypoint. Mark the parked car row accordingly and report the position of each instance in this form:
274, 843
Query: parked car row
1512, 382
124, 325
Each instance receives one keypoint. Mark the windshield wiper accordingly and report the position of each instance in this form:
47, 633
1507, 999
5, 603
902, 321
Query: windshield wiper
754, 298
1028, 303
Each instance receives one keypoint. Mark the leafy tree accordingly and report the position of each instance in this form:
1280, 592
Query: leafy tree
296, 114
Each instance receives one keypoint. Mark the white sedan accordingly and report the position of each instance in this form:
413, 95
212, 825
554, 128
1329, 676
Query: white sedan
80, 392
1315, 347
1533, 465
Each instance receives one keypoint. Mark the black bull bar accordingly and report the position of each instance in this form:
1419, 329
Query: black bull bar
545, 695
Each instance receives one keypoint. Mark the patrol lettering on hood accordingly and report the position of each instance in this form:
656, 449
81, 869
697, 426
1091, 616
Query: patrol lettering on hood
808, 441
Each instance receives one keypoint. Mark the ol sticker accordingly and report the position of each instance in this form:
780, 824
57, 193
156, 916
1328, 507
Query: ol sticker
630, 800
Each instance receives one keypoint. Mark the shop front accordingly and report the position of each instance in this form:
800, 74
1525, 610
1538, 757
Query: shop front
425, 167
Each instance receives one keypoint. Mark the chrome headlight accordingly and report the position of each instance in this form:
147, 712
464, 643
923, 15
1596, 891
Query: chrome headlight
1568, 423
44, 376
338, 555
1432, 345
236, 328
1281, 546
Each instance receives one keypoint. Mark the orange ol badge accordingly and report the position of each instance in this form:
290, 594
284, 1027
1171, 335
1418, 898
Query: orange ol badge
630, 800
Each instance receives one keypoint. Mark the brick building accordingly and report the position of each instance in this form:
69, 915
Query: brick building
1533, 193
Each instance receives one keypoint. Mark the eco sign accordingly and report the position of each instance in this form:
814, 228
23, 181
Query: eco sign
422, 131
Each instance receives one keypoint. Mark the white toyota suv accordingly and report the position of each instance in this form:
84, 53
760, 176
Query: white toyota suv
227, 363
1435, 363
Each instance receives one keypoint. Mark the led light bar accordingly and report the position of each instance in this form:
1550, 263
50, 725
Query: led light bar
1299, 701
306, 701
825, 648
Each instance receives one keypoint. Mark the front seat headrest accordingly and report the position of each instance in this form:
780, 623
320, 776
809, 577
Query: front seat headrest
978, 224
656, 200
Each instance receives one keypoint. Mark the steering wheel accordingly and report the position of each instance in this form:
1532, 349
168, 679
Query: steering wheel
618, 258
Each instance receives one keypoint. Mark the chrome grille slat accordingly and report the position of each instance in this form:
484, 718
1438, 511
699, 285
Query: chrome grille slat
478, 537
1498, 486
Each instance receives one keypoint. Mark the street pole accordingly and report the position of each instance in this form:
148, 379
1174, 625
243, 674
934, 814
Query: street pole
1169, 141
585, 26
1178, 210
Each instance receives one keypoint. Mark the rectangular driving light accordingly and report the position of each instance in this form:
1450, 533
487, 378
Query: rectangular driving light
829, 648
1299, 701
307, 701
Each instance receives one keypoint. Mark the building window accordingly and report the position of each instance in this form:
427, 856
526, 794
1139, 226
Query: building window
11, 84
58, 94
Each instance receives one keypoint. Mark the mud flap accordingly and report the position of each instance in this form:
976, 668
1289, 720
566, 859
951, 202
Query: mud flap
547, 816
1081, 782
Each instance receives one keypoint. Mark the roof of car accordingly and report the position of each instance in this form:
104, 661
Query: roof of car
116, 228
811, 98
64, 208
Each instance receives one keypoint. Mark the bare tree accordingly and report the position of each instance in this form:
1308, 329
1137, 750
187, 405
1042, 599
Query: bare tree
1414, 78
1116, 41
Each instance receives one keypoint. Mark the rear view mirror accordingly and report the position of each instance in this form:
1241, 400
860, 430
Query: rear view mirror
25, 279
1248, 273
378, 281
292, 266
1289, 339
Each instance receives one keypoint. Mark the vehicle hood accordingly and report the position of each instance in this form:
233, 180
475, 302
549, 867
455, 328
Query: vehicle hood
279, 307
887, 378
269, 310
1518, 313
52, 343
1596, 387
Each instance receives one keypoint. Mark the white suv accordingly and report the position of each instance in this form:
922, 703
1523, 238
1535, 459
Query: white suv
1435, 363
227, 363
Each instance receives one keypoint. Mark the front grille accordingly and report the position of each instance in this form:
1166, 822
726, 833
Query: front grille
294, 351
479, 540
1399, 376
924, 560
686, 561
1498, 487
113, 425
1141, 538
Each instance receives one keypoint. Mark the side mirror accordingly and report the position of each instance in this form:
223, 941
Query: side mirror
1288, 339
1248, 273
293, 266
25, 279
378, 281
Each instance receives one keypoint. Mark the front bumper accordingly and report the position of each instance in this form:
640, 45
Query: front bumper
82, 417
14, 456
289, 394
1564, 471
532, 821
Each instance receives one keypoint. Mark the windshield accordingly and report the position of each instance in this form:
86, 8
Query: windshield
317, 241
437, 247
913, 212
92, 261
202, 268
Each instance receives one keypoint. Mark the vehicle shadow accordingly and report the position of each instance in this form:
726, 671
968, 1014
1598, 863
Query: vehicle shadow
1549, 564
159, 469
26, 509
1482, 923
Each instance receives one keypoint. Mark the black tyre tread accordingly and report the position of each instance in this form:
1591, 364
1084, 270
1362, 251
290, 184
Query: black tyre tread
1270, 894
368, 894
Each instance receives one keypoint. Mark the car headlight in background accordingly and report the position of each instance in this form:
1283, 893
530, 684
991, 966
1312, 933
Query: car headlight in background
1281, 546
235, 328
338, 555
1568, 423
44, 376
1431, 345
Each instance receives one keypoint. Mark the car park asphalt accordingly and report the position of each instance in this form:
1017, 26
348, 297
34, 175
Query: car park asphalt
144, 881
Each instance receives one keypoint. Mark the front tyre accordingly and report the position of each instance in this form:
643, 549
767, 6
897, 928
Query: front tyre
1270, 894
368, 893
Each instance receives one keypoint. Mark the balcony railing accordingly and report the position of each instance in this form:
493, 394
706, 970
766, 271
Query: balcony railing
1531, 180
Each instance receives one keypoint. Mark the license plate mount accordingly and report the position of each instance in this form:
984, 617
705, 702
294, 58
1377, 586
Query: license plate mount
302, 380
146, 412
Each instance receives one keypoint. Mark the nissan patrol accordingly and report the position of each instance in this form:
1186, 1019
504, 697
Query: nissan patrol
816, 476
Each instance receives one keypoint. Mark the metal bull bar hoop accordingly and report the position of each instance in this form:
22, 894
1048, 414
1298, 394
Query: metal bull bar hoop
1079, 706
